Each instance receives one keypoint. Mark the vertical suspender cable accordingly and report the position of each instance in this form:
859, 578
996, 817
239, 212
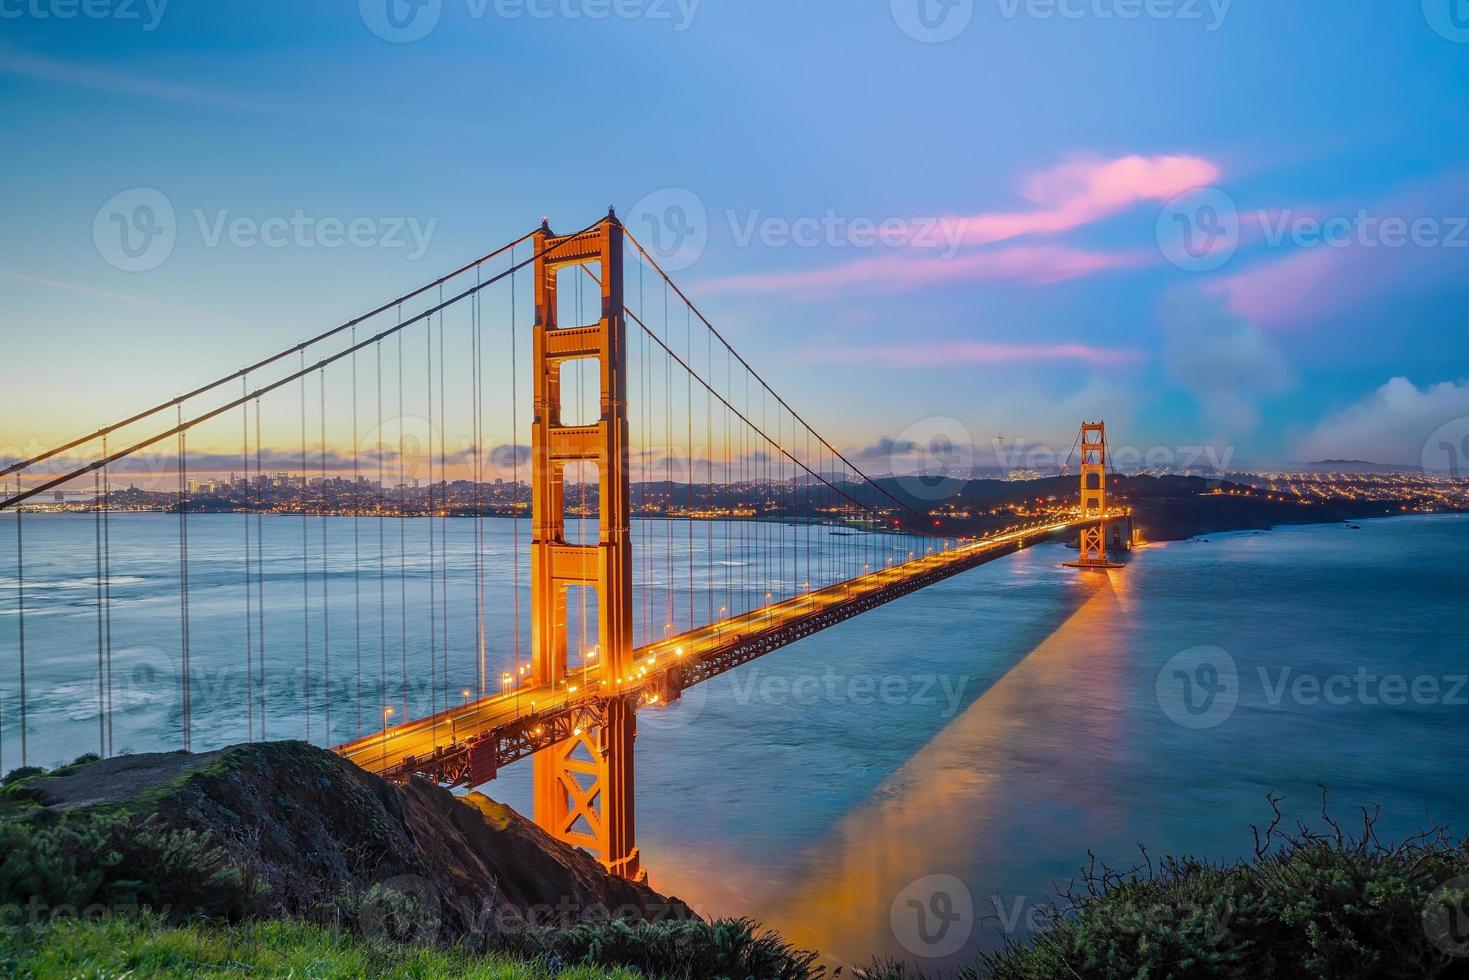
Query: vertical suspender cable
382, 576
356, 542
249, 610
305, 566
443, 509
326, 630
184, 578
402, 535
101, 667
107, 584
433, 582
20, 603
515, 468
260, 568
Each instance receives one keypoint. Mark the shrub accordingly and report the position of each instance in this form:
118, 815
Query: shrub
734, 948
1307, 904
109, 861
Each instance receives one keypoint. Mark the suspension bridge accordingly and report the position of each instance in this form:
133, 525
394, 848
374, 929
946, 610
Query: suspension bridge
682, 520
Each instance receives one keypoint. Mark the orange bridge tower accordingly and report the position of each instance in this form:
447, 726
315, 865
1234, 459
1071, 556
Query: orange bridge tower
1093, 446
584, 784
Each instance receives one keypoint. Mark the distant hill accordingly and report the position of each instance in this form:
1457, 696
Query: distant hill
1353, 466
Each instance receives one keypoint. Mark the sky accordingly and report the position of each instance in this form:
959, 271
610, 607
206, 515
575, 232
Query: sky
1237, 225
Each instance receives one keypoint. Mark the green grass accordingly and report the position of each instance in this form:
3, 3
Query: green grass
146, 947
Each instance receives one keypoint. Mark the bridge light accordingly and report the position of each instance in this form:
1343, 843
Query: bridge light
678, 652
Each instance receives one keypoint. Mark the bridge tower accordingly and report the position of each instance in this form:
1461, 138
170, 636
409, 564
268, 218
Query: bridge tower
1093, 446
584, 785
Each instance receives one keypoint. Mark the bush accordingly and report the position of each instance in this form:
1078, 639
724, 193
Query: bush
109, 861
1307, 905
23, 772
734, 948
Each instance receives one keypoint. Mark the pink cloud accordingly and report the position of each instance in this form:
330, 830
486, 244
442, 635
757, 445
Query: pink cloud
1087, 190
1065, 197
966, 352
1322, 279
1034, 265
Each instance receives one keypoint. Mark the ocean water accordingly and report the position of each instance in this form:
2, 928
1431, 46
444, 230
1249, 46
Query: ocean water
916, 782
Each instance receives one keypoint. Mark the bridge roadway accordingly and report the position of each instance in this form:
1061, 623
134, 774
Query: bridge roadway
469, 743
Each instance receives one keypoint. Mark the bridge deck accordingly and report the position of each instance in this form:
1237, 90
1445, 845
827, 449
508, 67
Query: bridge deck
512, 725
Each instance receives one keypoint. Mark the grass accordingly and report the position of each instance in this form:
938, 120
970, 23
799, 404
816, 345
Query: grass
145, 947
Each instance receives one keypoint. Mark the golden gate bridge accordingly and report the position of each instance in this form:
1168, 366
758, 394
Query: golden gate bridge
684, 520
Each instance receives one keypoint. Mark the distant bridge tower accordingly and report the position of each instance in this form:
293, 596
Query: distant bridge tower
1093, 446
584, 785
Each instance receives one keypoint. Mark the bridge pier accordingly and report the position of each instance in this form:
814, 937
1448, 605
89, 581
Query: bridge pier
584, 784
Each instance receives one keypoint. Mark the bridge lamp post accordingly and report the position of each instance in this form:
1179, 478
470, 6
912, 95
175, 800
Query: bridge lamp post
465, 694
387, 713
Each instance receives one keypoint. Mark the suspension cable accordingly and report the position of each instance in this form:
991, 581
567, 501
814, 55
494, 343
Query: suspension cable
246, 371
51, 484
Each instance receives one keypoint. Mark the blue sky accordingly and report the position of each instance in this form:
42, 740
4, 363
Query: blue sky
1034, 175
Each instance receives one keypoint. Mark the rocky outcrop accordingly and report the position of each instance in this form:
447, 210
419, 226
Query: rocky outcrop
313, 828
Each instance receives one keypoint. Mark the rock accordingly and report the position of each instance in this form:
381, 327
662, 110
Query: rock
311, 825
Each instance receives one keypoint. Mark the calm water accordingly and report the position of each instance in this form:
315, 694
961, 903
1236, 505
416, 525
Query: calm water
915, 781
